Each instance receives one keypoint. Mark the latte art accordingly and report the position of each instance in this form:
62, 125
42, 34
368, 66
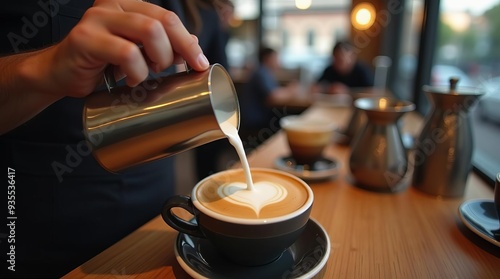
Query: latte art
247, 194
262, 194
273, 194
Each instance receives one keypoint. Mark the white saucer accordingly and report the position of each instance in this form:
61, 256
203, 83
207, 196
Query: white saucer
323, 169
480, 216
304, 259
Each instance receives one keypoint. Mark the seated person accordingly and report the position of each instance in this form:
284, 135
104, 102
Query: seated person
345, 72
259, 120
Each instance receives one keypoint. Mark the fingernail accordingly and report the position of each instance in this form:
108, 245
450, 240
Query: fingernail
203, 61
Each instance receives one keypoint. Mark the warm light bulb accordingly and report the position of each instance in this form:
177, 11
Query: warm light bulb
382, 103
303, 4
363, 16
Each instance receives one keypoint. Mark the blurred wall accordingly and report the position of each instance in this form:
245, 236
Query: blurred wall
368, 42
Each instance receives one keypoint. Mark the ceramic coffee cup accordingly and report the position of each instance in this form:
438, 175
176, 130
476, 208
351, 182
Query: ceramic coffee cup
249, 227
307, 137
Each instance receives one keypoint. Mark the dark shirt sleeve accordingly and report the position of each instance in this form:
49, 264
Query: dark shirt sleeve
365, 76
360, 76
254, 111
326, 76
27, 25
265, 83
212, 37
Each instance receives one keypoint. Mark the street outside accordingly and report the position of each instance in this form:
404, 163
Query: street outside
486, 141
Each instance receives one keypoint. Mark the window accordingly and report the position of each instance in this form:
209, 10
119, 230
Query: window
403, 82
310, 38
303, 37
311, 33
465, 46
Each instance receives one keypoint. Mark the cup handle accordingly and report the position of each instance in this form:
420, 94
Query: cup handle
177, 222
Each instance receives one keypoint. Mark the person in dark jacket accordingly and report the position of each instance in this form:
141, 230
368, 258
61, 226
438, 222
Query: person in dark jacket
345, 72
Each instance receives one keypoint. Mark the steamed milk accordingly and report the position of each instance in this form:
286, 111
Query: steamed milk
250, 195
235, 140
273, 195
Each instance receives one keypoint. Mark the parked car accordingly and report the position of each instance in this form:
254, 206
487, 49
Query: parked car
489, 103
441, 76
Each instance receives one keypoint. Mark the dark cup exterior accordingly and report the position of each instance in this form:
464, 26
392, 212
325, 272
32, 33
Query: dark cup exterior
306, 155
249, 242
252, 245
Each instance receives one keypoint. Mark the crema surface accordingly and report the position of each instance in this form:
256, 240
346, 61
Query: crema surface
273, 195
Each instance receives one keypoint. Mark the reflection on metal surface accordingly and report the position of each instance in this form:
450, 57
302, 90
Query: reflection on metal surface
356, 121
378, 159
132, 126
444, 148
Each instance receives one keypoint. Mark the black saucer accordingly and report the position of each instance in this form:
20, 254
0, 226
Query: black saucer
480, 216
322, 169
306, 258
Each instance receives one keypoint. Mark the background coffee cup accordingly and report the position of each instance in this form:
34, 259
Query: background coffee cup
307, 137
247, 233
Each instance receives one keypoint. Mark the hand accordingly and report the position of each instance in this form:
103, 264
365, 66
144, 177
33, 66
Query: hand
109, 33
338, 88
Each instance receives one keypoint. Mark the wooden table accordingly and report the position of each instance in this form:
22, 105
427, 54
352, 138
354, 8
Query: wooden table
404, 235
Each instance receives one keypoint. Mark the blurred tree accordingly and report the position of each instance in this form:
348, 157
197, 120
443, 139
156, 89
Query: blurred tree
446, 34
493, 17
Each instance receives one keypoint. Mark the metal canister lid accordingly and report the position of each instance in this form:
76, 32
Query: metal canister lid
453, 88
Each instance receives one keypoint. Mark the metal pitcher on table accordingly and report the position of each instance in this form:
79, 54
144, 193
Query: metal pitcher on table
378, 159
444, 149
159, 118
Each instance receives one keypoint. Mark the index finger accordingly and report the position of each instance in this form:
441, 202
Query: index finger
183, 43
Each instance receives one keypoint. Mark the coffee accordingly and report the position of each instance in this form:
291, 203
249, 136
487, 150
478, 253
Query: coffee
274, 194
248, 227
307, 146
250, 215
249, 194
307, 138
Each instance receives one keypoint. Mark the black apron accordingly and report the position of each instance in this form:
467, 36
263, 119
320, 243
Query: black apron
67, 207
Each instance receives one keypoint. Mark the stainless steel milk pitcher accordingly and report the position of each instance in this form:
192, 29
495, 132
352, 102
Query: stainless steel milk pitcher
159, 118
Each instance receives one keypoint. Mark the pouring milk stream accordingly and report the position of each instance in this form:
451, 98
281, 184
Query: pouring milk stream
252, 195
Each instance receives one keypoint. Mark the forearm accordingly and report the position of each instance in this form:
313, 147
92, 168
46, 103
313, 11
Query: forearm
23, 90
